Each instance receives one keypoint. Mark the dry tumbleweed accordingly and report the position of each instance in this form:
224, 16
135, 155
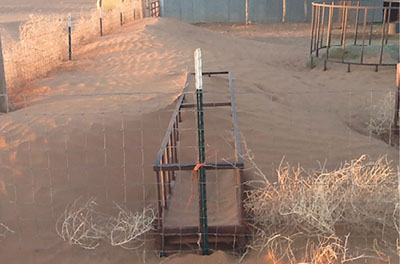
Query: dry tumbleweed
81, 224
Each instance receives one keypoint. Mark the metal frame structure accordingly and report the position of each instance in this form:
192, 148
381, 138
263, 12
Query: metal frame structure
323, 15
167, 164
155, 8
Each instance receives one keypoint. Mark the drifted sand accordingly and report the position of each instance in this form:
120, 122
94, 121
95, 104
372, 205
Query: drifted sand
97, 127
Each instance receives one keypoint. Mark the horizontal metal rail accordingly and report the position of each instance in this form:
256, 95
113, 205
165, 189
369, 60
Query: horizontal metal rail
190, 166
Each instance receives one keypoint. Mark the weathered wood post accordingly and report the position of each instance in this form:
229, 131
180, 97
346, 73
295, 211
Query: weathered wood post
202, 157
3, 86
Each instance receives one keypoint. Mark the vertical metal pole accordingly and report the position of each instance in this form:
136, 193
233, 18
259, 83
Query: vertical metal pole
395, 125
342, 23
383, 35
201, 144
3, 85
344, 31
121, 20
305, 11
370, 30
312, 30
247, 12
363, 35
101, 21
329, 35
323, 26
69, 36
318, 17
388, 22
284, 4
356, 26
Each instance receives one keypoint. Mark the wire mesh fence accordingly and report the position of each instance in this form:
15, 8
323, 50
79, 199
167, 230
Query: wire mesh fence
78, 171
45, 41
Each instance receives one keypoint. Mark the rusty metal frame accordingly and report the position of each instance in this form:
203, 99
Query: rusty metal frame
167, 163
318, 18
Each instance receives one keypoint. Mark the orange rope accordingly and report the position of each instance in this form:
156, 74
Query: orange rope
196, 169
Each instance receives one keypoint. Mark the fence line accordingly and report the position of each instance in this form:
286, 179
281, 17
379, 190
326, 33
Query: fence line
46, 41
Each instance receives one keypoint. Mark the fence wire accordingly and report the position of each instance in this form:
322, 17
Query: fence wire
78, 171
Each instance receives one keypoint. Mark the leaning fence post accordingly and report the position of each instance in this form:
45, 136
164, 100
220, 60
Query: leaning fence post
69, 36
101, 21
3, 86
201, 144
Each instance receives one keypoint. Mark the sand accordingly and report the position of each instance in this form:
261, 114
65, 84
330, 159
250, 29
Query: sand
94, 126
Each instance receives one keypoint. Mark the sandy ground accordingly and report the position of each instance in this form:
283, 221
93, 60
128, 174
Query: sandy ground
96, 127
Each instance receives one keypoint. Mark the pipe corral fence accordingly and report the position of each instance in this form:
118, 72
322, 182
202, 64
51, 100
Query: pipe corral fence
352, 33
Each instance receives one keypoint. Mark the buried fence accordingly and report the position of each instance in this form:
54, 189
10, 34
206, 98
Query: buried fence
352, 33
78, 171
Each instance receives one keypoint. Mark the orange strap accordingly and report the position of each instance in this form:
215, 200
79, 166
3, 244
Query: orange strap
196, 169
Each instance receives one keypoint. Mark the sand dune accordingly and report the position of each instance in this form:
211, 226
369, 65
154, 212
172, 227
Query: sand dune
95, 126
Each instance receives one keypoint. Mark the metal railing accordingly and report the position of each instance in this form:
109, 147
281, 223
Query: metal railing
347, 31
167, 165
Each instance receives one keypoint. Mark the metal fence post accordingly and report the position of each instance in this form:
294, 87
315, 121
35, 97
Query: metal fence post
247, 12
3, 86
395, 125
101, 21
201, 144
69, 36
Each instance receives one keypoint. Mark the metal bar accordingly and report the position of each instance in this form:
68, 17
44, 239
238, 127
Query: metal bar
215, 73
222, 229
69, 36
363, 34
388, 22
395, 125
238, 141
356, 26
316, 39
226, 165
342, 24
176, 113
329, 35
370, 32
188, 105
202, 155
346, 14
383, 35
101, 21
312, 29
323, 27
168, 173
3, 84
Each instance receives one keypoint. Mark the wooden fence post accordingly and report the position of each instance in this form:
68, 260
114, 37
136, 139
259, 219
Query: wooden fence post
3, 86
